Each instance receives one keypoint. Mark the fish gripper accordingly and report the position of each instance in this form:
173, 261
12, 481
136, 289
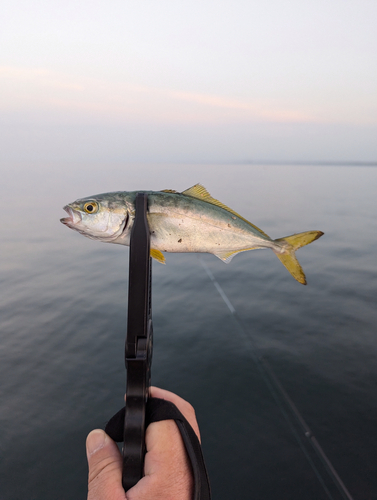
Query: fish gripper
139, 346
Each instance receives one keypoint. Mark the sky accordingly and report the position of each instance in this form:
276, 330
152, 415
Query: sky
188, 81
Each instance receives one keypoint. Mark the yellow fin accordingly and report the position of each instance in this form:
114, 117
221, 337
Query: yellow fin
290, 245
156, 254
292, 264
301, 239
227, 256
168, 191
198, 191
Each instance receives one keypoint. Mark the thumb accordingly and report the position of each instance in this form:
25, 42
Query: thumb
105, 467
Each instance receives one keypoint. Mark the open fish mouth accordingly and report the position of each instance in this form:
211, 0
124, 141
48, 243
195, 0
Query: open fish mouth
73, 217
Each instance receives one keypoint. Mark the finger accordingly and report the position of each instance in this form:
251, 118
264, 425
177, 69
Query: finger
105, 467
167, 471
183, 406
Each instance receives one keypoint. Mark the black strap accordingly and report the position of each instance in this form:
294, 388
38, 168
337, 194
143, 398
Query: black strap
160, 409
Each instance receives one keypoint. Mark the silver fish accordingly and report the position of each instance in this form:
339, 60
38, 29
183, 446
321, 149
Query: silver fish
191, 221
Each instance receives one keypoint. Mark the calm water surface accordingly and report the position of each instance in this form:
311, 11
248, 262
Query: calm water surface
63, 322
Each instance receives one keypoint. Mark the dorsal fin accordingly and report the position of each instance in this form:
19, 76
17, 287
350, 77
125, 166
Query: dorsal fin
198, 191
168, 191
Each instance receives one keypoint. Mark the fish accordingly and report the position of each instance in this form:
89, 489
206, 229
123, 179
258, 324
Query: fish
187, 221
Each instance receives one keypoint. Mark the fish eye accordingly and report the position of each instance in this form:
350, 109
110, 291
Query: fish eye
91, 207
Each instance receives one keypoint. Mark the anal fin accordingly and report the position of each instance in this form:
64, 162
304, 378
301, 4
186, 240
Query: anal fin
226, 256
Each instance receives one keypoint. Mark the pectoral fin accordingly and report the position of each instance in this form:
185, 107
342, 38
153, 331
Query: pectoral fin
157, 255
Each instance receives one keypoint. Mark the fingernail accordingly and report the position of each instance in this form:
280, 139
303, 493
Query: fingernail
95, 441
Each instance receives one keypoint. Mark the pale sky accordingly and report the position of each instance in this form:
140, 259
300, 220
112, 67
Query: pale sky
188, 81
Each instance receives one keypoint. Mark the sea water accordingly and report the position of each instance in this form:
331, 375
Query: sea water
63, 325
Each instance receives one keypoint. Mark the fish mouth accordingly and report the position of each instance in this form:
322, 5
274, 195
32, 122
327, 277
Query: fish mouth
73, 217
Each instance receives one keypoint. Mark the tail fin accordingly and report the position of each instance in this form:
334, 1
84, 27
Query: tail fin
290, 244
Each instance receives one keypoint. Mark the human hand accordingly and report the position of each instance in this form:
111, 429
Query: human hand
167, 471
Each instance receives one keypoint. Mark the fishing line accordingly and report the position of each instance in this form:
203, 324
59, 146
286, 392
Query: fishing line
280, 395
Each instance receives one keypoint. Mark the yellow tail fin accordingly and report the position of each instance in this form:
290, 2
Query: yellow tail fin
290, 244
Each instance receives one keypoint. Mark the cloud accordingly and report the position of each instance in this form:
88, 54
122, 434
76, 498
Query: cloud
63, 98
257, 109
44, 90
38, 77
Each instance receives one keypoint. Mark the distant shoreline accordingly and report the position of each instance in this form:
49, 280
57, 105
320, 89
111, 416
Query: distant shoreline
308, 163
